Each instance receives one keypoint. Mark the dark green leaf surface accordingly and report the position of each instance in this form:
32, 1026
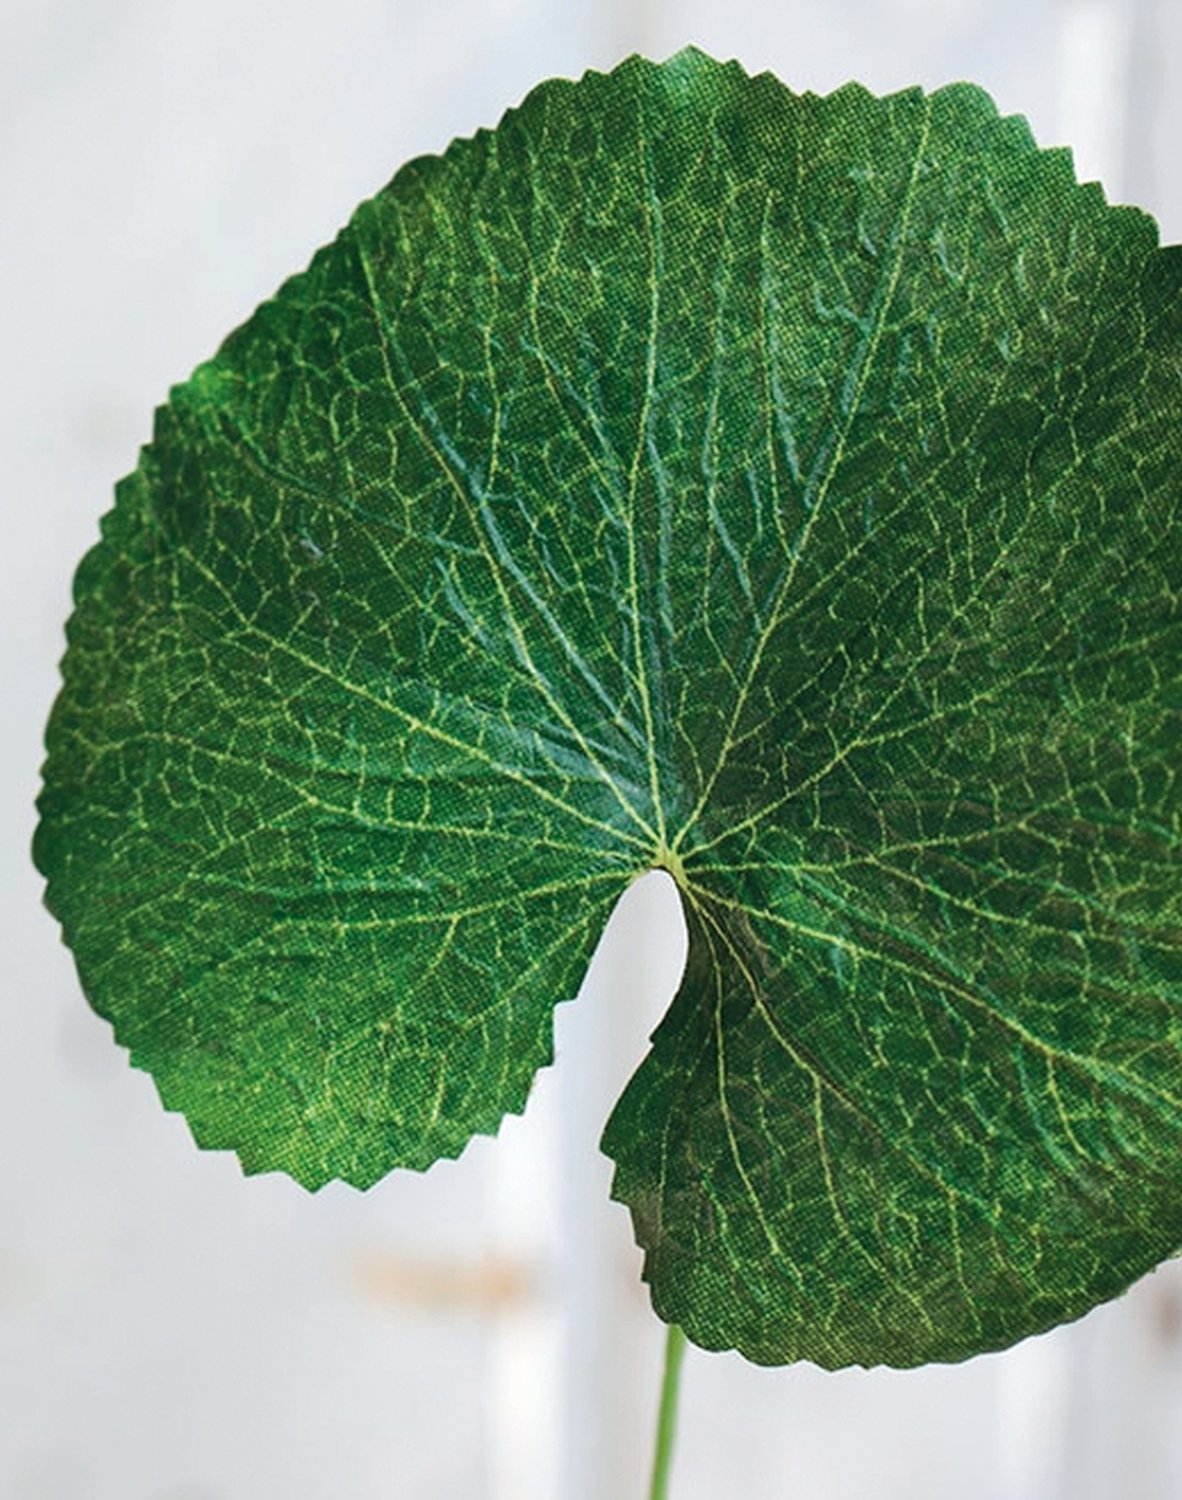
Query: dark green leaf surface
780, 490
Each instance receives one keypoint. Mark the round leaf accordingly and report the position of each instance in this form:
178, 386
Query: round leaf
780, 490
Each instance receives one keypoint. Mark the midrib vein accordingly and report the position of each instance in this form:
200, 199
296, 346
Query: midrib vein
824, 470
653, 223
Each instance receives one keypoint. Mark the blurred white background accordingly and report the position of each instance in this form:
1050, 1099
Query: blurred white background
169, 1331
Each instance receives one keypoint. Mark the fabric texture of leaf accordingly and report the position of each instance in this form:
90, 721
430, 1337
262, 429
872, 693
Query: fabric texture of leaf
779, 490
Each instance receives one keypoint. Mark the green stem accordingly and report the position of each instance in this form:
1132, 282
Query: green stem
667, 1416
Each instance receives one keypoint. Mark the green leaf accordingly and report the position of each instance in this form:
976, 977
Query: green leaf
779, 490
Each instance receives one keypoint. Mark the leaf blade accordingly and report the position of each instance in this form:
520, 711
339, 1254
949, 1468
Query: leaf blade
780, 490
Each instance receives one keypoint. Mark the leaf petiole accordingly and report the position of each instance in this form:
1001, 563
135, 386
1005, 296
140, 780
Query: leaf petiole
667, 1413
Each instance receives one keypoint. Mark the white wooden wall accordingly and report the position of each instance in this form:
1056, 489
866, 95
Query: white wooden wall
171, 1332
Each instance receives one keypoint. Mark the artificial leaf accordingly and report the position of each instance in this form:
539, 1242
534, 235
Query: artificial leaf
779, 490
